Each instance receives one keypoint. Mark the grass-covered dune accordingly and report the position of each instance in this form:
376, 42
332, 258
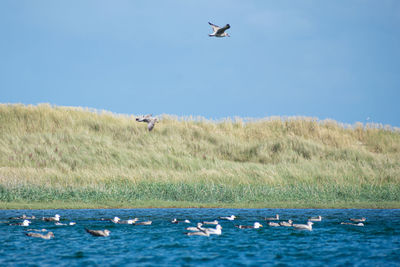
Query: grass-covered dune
62, 157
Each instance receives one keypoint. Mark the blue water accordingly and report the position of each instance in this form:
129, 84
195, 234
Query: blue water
164, 243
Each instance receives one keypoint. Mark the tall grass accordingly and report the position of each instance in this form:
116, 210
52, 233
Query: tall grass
50, 153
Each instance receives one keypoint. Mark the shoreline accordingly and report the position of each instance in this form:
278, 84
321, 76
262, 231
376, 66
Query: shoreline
189, 205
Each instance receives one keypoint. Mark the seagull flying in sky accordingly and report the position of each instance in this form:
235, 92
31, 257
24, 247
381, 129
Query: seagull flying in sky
218, 31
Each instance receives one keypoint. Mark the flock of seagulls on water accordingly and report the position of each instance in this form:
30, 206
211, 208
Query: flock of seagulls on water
217, 32
204, 228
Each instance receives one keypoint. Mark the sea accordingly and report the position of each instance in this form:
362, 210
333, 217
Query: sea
163, 243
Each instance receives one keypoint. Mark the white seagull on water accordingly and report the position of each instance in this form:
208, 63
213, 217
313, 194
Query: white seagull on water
218, 31
230, 218
307, 226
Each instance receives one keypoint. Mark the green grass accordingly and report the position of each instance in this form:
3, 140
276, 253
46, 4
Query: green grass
61, 157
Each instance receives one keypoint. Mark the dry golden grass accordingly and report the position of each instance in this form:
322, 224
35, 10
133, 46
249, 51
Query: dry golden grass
50, 153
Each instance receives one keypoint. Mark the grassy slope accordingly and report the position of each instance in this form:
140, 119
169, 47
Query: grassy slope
69, 157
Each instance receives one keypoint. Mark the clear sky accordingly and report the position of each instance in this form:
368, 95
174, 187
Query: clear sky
323, 59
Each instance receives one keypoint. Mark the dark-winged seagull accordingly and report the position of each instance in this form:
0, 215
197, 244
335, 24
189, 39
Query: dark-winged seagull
218, 31
143, 223
149, 119
23, 217
363, 219
276, 218
98, 232
24, 223
144, 118
46, 236
56, 218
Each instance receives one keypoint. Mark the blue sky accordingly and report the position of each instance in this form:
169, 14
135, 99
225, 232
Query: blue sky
322, 59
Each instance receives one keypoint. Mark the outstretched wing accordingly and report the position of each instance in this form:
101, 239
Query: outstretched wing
151, 124
214, 27
146, 118
222, 30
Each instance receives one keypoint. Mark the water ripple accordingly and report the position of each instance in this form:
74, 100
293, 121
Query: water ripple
164, 243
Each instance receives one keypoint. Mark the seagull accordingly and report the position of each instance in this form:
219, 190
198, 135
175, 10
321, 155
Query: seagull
24, 223
276, 218
56, 218
214, 231
218, 31
98, 232
230, 218
115, 220
274, 224
355, 224
23, 217
363, 219
215, 222
255, 226
307, 226
37, 230
287, 224
130, 221
199, 233
144, 118
70, 223
315, 219
143, 223
197, 228
203, 232
46, 236
149, 119
174, 220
